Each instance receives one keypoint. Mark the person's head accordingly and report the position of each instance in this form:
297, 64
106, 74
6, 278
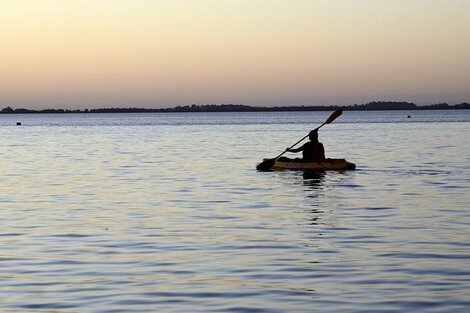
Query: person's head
313, 135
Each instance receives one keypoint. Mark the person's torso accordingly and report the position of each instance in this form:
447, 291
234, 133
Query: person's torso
313, 152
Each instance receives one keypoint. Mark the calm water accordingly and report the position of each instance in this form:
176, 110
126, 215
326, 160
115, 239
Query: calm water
165, 213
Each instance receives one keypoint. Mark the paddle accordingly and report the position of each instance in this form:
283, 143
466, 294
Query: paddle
268, 163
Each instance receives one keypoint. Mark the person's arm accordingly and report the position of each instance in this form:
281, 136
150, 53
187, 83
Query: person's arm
295, 150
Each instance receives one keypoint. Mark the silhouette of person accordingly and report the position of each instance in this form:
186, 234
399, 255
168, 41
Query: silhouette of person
312, 151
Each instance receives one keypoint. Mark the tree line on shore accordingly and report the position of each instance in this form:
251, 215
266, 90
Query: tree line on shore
376, 105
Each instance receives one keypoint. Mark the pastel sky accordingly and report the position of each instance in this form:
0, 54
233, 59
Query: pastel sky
163, 53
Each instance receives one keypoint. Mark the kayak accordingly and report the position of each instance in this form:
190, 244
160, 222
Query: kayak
325, 165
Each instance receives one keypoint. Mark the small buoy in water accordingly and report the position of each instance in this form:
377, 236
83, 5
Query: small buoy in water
18, 123
409, 116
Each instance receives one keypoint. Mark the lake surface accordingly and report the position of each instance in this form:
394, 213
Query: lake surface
166, 213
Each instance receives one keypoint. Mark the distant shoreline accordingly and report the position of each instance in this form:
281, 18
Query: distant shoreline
371, 106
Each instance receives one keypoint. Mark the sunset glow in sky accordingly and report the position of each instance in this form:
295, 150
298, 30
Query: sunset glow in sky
163, 53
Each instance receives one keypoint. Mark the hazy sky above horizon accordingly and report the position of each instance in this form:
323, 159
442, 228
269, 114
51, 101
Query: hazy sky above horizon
163, 53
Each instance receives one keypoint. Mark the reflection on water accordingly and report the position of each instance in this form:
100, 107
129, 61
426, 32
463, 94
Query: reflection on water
147, 214
313, 179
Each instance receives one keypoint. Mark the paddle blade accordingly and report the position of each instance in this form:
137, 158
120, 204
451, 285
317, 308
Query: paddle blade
266, 165
334, 115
